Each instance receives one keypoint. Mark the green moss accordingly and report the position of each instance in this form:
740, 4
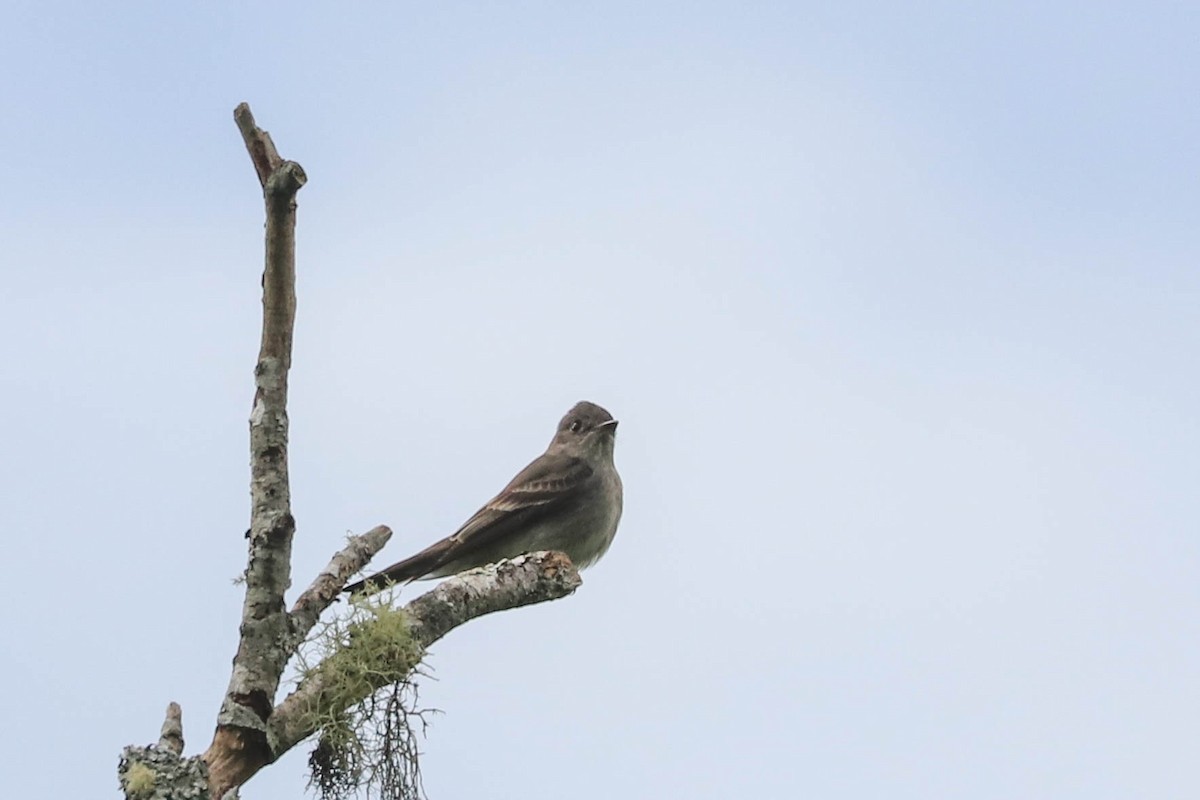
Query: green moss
370, 651
363, 664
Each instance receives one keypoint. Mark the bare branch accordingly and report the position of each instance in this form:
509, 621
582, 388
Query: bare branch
241, 739
258, 143
328, 585
522, 581
171, 737
512, 583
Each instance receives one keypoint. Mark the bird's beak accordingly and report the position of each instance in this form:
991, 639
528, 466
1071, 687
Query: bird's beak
612, 423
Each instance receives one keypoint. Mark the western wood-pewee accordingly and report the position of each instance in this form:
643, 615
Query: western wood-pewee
568, 499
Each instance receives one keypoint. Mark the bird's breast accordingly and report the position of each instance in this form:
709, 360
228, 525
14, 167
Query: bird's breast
597, 523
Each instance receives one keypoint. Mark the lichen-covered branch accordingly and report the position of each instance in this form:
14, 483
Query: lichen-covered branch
252, 730
388, 647
328, 585
241, 741
171, 736
159, 773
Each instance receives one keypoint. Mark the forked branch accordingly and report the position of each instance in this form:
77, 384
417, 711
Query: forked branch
252, 731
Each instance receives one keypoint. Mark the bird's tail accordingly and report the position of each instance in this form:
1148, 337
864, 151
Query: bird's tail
424, 564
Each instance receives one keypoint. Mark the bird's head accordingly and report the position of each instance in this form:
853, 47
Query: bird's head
589, 425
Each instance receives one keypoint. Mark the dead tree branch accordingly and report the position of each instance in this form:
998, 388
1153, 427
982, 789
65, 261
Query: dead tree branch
252, 731
241, 739
171, 736
327, 586
522, 581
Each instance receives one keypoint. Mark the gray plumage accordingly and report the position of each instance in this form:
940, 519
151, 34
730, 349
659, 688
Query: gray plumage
568, 499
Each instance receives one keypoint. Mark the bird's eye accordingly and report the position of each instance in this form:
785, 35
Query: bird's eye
575, 426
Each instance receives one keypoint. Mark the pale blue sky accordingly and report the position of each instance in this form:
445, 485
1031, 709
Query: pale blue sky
897, 307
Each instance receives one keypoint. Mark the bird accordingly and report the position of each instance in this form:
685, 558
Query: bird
568, 499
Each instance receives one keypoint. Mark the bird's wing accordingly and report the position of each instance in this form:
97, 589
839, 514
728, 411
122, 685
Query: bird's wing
544, 487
